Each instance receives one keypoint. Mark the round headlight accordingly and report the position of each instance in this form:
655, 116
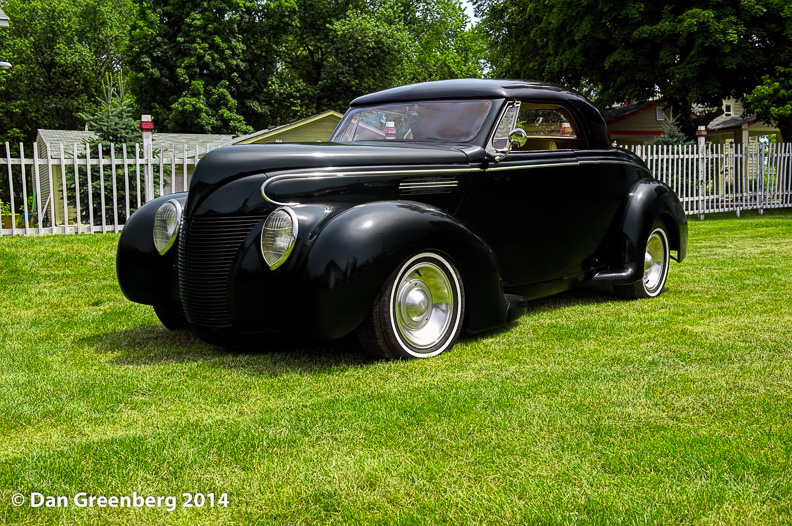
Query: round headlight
166, 225
278, 236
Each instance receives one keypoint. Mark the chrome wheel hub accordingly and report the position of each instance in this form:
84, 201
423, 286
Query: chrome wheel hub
423, 305
654, 262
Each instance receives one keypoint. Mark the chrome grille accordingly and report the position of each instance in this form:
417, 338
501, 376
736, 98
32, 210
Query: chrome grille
207, 247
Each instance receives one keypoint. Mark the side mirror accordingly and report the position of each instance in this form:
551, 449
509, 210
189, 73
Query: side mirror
517, 139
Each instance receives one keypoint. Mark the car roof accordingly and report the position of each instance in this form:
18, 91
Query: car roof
541, 92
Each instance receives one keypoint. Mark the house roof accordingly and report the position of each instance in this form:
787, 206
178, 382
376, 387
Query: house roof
269, 133
735, 121
620, 113
181, 142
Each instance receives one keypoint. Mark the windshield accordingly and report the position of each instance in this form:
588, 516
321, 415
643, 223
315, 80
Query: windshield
446, 121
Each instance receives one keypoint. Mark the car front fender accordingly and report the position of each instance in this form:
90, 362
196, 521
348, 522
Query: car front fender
144, 275
353, 253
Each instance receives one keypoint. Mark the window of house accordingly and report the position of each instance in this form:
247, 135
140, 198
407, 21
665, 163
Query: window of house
727, 110
660, 113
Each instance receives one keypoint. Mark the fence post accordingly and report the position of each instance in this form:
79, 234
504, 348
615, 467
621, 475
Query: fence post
701, 133
760, 158
146, 126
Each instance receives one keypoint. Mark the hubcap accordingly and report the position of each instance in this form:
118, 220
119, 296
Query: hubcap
424, 305
654, 261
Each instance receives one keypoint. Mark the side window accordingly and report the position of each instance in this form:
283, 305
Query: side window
548, 127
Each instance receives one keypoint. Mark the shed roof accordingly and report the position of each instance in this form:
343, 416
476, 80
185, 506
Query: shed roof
269, 133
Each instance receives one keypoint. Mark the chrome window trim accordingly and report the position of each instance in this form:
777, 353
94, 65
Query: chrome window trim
506, 107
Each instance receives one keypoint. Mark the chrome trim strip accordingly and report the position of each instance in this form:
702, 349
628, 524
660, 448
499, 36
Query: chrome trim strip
323, 175
531, 166
607, 162
428, 184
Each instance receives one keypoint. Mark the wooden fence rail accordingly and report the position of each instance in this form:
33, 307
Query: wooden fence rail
71, 189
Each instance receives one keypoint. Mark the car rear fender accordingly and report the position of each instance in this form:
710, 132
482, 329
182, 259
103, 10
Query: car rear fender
353, 253
650, 200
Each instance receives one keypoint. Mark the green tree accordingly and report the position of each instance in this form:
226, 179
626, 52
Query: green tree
671, 135
691, 52
772, 101
60, 51
337, 51
204, 66
112, 122
112, 119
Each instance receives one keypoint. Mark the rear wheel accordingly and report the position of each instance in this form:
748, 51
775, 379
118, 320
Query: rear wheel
419, 311
656, 259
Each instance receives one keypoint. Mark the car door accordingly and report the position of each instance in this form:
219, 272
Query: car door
532, 198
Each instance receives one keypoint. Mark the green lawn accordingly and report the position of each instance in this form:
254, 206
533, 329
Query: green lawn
589, 409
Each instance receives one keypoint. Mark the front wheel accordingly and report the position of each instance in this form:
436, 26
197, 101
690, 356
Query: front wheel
656, 259
170, 319
419, 311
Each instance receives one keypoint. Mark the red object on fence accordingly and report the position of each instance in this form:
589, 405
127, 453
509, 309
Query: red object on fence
146, 126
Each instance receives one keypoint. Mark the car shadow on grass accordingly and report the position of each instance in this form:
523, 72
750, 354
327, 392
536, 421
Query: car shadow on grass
588, 295
154, 344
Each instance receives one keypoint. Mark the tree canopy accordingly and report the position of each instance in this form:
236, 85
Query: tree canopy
772, 101
60, 51
226, 66
222, 66
690, 52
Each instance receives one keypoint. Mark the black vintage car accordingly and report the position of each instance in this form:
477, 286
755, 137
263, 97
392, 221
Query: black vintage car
434, 208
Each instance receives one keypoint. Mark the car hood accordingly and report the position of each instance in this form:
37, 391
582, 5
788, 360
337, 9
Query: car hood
223, 165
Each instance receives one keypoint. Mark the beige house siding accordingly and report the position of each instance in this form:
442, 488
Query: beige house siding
641, 126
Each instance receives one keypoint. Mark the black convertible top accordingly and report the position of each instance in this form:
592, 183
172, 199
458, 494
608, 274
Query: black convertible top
543, 92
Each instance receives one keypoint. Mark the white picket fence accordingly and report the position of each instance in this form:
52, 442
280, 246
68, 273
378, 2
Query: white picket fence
48, 193
724, 177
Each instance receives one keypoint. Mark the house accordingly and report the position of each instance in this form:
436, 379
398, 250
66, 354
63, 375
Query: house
175, 157
637, 123
734, 127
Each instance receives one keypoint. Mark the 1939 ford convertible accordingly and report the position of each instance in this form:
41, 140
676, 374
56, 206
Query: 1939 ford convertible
434, 207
